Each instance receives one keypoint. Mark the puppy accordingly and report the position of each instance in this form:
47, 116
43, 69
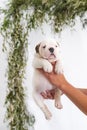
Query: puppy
46, 53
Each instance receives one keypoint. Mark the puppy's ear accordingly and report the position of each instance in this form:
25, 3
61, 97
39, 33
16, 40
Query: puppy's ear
37, 48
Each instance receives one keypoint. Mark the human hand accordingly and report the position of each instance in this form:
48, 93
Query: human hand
56, 79
49, 94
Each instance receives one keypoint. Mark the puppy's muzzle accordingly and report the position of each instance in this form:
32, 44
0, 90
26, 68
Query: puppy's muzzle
51, 49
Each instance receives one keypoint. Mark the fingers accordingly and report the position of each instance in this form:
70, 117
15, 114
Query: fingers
45, 73
44, 95
50, 94
47, 95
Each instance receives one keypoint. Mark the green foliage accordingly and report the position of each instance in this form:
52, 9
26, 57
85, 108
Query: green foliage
20, 17
57, 12
15, 34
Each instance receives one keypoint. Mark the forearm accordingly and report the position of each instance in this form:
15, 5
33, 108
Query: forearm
83, 90
76, 96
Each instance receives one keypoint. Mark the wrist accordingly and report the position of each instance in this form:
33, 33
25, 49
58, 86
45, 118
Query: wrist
63, 85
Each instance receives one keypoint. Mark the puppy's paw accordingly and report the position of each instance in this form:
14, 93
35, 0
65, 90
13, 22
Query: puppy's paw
48, 67
58, 105
58, 69
46, 112
48, 115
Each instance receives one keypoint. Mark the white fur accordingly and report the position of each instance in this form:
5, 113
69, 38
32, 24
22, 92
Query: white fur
43, 60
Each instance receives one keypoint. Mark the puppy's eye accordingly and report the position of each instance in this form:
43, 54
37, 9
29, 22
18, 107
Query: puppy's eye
56, 46
44, 46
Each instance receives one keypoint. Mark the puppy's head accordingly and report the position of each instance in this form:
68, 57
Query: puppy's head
48, 50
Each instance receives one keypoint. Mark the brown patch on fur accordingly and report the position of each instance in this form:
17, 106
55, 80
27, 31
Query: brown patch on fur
37, 48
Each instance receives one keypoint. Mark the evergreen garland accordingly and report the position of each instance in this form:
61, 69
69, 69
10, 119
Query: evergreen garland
20, 17
15, 33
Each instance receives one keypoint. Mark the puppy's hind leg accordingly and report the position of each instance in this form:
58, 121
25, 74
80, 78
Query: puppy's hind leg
57, 97
40, 102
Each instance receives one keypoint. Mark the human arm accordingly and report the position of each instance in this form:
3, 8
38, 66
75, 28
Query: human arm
49, 94
77, 96
84, 90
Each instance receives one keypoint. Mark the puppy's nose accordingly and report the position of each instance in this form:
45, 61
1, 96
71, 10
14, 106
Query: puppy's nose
51, 49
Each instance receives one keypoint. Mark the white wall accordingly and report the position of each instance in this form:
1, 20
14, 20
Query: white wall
74, 56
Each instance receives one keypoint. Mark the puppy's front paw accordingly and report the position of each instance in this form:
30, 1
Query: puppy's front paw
48, 67
58, 69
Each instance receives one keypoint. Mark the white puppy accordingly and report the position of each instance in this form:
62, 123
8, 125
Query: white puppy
46, 53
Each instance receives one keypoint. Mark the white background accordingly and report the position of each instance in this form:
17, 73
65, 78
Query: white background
73, 44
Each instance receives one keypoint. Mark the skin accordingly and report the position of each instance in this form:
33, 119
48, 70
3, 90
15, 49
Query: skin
77, 95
